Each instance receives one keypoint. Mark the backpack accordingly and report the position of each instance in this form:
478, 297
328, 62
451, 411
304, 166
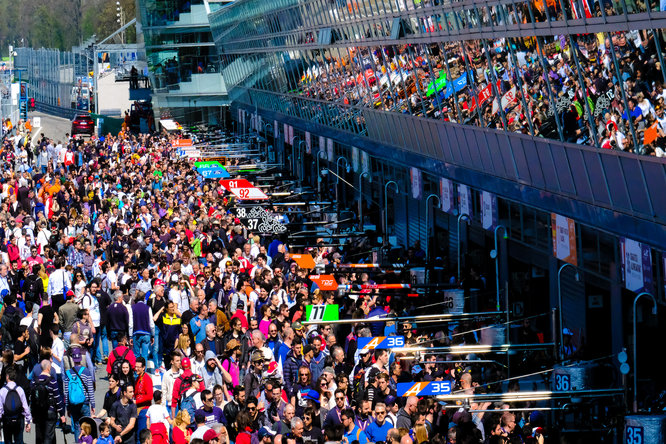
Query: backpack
76, 393
187, 403
40, 398
118, 362
13, 407
185, 385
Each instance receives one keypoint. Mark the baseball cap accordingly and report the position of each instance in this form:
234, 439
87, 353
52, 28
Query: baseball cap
416, 369
186, 363
75, 353
313, 395
264, 431
210, 435
257, 356
297, 325
390, 400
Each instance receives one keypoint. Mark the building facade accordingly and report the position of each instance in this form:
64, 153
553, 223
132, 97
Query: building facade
541, 119
182, 58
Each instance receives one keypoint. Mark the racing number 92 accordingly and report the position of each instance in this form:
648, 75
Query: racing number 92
634, 435
244, 193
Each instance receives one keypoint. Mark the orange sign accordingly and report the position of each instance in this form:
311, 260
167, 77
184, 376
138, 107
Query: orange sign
325, 282
182, 142
303, 260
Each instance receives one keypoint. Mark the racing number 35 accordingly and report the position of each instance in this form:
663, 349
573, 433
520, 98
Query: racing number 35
634, 435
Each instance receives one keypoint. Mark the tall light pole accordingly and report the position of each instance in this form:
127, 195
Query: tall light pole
559, 301
360, 198
427, 225
397, 190
120, 19
494, 254
654, 312
461, 217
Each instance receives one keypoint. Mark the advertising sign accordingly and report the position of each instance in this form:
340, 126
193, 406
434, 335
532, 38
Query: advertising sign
446, 195
465, 200
564, 238
636, 265
417, 182
488, 210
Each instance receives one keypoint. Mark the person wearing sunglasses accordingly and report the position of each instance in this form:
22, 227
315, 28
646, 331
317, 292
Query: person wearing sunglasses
252, 380
352, 432
379, 428
212, 414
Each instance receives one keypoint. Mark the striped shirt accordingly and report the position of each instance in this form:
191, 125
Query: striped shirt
54, 393
88, 388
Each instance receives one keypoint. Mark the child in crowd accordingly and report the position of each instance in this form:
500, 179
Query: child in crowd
104, 434
85, 437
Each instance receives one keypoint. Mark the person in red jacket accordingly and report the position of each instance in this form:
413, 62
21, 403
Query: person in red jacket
177, 392
143, 392
122, 350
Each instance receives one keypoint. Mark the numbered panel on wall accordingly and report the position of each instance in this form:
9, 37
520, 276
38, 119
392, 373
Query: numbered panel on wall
322, 313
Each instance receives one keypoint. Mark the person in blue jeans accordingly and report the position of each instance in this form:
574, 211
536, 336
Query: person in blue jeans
143, 327
79, 391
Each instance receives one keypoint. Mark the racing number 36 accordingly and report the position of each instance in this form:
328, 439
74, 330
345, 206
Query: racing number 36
634, 435
395, 341
562, 383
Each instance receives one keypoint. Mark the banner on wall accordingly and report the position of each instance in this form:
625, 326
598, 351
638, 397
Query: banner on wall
465, 200
564, 238
446, 195
365, 165
417, 182
636, 265
329, 148
356, 162
458, 85
308, 142
488, 210
286, 133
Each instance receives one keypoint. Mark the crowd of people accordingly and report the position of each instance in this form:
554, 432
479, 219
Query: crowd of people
604, 89
119, 263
